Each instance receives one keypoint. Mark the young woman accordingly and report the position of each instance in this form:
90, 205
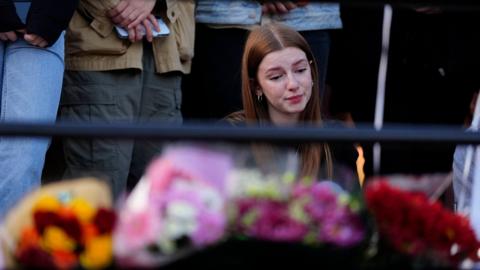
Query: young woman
278, 87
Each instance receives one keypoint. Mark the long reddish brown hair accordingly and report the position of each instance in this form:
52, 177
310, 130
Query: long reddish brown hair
261, 41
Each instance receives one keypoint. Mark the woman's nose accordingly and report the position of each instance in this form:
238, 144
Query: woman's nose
292, 84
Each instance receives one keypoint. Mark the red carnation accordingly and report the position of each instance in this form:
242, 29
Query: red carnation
43, 219
416, 226
35, 258
105, 220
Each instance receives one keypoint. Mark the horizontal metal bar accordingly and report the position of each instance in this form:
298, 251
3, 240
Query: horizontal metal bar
449, 3
214, 132
411, 2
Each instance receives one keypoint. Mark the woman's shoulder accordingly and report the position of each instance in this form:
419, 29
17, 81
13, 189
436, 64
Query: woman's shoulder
235, 119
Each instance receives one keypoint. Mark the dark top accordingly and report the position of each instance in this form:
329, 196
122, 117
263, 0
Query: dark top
46, 18
344, 155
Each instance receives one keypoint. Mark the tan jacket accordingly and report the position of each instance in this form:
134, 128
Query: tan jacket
92, 44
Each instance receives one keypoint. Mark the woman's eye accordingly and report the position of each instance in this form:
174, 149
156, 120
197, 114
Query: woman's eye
301, 70
275, 77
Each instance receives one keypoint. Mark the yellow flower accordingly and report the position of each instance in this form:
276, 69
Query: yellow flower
55, 238
98, 253
82, 209
47, 203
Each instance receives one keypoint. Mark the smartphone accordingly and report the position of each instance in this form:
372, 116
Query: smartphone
164, 31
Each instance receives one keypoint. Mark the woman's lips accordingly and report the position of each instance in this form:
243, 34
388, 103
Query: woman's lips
295, 99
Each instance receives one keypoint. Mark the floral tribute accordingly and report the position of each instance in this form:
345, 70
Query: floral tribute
67, 233
415, 226
178, 207
311, 213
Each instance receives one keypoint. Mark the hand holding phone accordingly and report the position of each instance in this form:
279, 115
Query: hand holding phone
141, 31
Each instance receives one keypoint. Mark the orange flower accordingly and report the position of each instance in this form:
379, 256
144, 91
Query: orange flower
28, 238
64, 259
90, 231
82, 209
55, 238
47, 203
98, 253
66, 212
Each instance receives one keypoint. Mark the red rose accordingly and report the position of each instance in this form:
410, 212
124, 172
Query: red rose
43, 219
35, 258
105, 220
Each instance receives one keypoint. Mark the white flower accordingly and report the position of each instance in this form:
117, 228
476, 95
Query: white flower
180, 219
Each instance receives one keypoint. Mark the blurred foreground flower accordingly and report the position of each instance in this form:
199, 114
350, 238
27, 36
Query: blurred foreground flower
178, 207
65, 225
420, 228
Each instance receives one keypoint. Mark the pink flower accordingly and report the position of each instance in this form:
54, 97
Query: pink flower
205, 213
274, 223
211, 228
344, 233
136, 231
161, 173
335, 222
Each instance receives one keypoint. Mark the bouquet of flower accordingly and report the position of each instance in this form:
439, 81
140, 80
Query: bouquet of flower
413, 225
299, 212
64, 225
178, 207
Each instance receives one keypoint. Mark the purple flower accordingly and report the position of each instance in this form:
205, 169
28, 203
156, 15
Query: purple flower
245, 205
211, 227
335, 222
274, 223
342, 232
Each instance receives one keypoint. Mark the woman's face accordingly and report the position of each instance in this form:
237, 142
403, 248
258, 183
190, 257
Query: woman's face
285, 80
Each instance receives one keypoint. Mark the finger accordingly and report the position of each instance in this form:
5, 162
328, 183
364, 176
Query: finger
154, 22
119, 8
302, 3
120, 18
36, 40
271, 8
148, 30
137, 21
264, 8
290, 5
42, 43
28, 37
11, 35
3, 37
131, 35
138, 34
130, 18
280, 7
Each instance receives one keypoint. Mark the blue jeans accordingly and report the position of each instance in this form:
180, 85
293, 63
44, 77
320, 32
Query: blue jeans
30, 83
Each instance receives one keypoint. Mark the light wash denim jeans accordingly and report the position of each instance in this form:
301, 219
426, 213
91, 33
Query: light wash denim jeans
31, 83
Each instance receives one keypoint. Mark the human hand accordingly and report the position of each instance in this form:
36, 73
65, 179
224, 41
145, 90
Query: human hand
280, 7
8, 36
130, 13
35, 40
137, 33
277, 7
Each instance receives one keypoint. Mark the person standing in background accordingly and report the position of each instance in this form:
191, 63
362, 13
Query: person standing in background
432, 71
31, 71
137, 79
213, 90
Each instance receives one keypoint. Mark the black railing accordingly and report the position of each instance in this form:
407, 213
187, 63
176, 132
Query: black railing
212, 132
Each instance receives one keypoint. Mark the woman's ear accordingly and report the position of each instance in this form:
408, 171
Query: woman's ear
258, 91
